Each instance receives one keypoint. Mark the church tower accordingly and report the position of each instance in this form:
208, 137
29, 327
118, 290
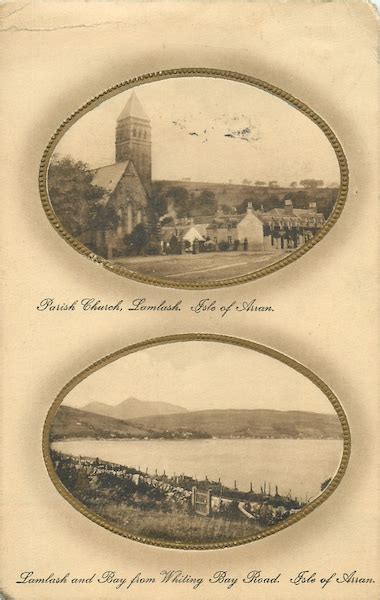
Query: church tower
133, 139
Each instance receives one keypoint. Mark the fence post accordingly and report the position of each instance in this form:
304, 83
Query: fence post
193, 496
208, 501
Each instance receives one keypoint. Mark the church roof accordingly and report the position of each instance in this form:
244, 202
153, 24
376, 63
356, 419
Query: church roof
133, 108
108, 177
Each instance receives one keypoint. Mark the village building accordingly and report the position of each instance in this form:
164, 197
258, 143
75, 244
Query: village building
182, 237
239, 232
288, 227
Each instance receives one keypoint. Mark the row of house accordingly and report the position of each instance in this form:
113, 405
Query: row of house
279, 228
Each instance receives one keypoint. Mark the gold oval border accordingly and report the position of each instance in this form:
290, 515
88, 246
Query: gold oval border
193, 72
186, 337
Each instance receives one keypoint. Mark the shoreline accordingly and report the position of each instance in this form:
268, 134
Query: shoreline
191, 439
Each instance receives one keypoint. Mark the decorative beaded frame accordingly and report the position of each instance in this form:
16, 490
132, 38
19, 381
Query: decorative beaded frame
193, 72
183, 338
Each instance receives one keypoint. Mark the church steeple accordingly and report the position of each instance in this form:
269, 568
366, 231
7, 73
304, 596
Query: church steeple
133, 138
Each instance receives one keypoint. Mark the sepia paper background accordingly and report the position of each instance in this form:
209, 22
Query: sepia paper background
55, 57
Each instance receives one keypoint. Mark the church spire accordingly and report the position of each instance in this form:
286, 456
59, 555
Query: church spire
133, 108
133, 138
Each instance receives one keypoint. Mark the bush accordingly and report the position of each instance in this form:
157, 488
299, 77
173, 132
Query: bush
209, 246
223, 246
136, 242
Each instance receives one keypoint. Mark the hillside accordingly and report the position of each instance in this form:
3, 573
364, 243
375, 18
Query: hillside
248, 423
234, 195
132, 408
74, 423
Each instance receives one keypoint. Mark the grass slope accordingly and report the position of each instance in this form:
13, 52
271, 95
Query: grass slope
74, 423
249, 423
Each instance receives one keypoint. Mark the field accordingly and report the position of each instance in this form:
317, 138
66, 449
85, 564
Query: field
160, 510
177, 526
207, 266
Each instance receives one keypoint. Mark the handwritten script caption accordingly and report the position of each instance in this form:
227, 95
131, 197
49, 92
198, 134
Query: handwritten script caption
220, 579
203, 306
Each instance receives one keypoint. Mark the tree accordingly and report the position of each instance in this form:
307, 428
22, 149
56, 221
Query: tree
300, 198
208, 202
260, 183
293, 184
158, 199
205, 204
179, 197
227, 209
103, 217
273, 183
312, 183
75, 200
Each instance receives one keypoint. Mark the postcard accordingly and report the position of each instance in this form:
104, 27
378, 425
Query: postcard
190, 300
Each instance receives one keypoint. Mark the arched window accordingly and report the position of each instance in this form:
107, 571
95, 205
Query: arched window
129, 218
144, 135
134, 132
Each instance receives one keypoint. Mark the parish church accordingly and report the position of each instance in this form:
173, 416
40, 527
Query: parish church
127, 182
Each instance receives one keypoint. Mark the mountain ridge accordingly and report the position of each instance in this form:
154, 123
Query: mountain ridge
247, 423
132, 408
228, 423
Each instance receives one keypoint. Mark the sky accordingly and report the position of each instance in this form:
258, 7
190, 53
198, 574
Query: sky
281, 144
201, 375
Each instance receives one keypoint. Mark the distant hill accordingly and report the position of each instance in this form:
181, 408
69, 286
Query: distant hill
132, 408
248, 423
72, 422
233, 194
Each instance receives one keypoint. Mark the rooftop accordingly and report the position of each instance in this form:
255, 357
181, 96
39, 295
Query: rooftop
133, 108
108, 177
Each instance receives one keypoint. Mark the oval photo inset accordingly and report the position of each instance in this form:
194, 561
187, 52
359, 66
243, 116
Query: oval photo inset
196, 441
194, 179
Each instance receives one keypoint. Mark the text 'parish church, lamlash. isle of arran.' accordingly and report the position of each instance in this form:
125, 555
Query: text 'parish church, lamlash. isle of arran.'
128, 191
